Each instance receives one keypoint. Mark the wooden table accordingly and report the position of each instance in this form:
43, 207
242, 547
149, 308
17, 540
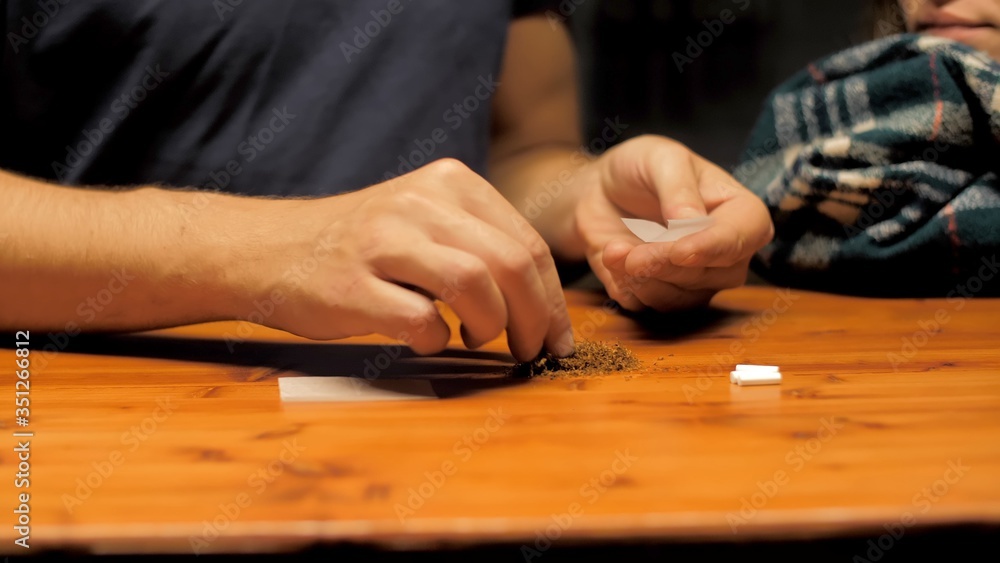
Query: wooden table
888, 418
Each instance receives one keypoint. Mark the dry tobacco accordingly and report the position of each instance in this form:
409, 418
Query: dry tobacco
589, 358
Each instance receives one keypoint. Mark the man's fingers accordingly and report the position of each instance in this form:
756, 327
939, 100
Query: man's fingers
457, 278
518, 257
405, 315
558, 330
536, 307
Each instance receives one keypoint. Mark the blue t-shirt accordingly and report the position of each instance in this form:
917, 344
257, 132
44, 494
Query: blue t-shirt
256, 97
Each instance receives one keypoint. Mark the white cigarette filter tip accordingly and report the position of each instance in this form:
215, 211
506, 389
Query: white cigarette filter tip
754, 368
745, 378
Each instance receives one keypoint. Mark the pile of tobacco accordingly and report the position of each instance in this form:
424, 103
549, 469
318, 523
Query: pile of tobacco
589, 358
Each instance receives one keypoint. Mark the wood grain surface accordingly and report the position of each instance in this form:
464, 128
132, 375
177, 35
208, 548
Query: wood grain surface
176, 441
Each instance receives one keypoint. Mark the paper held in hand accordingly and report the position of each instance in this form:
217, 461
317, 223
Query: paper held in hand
675, 229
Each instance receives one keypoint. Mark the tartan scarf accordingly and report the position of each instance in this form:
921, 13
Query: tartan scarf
881, 168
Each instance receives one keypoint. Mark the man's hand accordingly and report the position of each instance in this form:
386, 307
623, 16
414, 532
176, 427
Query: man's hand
659, 179
384, 253
371, 261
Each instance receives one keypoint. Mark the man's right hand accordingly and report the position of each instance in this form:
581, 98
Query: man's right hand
372, 261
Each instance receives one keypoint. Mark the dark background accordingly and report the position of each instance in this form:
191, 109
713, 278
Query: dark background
627, 68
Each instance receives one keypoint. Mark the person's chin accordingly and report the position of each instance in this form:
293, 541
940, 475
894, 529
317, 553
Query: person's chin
983, 38
986, 39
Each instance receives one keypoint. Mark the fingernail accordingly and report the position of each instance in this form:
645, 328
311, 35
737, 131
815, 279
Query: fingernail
566, 346
688, 213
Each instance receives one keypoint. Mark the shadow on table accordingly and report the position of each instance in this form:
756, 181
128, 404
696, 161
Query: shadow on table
454, 372
654, 325
682, 324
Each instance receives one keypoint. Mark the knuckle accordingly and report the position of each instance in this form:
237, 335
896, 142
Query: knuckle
539, 250
448, 168
518, 264
469, 272
421, 313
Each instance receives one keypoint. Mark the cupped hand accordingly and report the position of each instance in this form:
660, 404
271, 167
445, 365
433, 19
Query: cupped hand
658, 179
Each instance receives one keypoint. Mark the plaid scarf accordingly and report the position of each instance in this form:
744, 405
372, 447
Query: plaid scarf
881, 168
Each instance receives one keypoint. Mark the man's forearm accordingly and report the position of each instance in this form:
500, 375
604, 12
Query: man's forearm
544, 184
112, 260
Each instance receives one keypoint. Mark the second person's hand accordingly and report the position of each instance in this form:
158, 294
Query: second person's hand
658, 179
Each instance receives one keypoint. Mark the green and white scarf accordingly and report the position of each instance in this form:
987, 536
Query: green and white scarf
881, 168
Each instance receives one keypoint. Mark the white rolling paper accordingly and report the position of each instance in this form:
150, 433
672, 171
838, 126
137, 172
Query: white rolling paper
675, 229
353, 389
